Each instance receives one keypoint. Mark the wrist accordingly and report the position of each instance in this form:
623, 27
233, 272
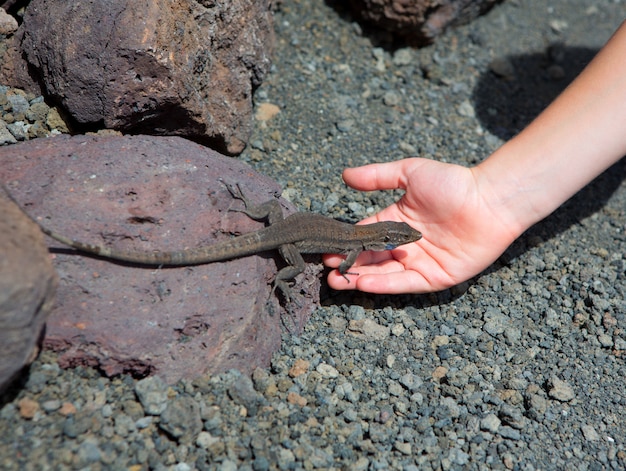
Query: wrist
515, 196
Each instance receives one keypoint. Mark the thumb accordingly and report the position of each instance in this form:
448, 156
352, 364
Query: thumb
380, 176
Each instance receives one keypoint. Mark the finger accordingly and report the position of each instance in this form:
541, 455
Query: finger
395, 283
381, 176
388, 277
381, 280
365, 258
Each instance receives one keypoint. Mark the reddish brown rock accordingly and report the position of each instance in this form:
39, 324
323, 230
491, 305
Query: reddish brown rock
27, 286
149, 193
159, 67
8, 24
419, 21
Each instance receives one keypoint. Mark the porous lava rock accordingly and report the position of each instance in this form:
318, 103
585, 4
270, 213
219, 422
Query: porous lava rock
418, 21
153, 193
160, 67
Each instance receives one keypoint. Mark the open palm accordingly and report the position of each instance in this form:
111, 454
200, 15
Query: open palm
462, 233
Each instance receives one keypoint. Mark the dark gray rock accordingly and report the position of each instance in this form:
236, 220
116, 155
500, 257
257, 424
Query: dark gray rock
242, 391
181, 419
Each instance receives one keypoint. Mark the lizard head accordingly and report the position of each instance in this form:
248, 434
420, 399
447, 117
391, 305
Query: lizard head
388, 235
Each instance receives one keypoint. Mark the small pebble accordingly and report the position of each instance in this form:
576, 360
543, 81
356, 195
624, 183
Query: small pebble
560, 390
28, 408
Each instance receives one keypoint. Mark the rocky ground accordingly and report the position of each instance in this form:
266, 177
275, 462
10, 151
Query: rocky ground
522, 368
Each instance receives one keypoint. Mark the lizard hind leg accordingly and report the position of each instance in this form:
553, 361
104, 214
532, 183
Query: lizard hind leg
295, 266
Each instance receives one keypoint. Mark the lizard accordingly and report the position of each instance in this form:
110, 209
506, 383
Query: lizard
298, 233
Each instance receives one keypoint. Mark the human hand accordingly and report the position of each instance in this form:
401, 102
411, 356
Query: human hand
463, 230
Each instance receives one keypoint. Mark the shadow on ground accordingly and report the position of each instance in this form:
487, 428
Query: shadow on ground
506, 104
508, 99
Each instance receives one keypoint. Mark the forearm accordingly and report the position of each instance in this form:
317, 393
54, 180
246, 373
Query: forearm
577, 137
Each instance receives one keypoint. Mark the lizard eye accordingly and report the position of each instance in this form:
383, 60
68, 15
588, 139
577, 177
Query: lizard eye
389, 245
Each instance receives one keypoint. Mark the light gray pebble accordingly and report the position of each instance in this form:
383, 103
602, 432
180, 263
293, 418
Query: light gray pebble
152, 393
560, 390
257, 144
391, 98
124, 425
205, 440
453, 407
513, 335
89, 452
350, 415
144, 422
552, 318
458, 456
403, 447
601, 302
408, 148
590, 433
471, 335
77, 424
19, 104
509, 432
107, 410
490, 423
345, 125
227, 465
356, 208
332, 200
5, 135
327, 371
620, 343
51, 405
395, 389
466, 109
493, 142
19, 130
538, 404
411, 381
512, 416
403, 56
495, 322
356, 312
605, 340
286, 458
261, 463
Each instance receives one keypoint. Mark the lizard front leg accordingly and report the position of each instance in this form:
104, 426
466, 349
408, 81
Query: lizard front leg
348, 262
270, 210
295, 266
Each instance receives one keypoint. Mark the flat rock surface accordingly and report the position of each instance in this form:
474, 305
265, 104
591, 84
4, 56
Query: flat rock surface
147, 193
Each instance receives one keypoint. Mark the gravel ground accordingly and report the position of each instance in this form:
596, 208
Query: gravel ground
523, 368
